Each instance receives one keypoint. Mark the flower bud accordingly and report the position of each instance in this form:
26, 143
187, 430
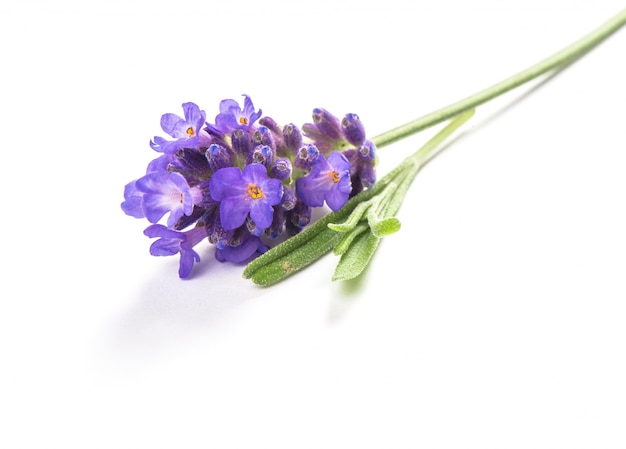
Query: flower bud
281, 168
253, 228
292, 137
191, 164
261, 154
368, 176
270, 123
218, 157
300, 215
278, 224
216, 234
241, 141
263, 136
353, 129
297, 218
367, 151
327, 124
289, 199
305, 156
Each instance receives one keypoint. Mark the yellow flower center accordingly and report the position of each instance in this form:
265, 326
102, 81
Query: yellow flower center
333, 174
190, 132
243, 120
255, 191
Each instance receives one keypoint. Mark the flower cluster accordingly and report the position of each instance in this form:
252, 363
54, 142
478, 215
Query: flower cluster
245, 180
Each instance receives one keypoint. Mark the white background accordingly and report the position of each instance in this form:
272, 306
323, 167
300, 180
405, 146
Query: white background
493, 319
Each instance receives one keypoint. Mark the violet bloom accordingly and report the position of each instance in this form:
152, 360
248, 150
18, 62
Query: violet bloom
232, 117
163, 193
329, 180
248, 247
187, 131
242, 193
172, 242
133, 198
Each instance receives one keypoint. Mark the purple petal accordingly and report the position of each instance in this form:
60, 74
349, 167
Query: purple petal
165, 146
248, 111
272, 190
173, 125
160, 163
152, 182
179, 181
261, 213
255, 174
309, 191
165, 192
229, 106
158, 230
132, 201
248, 107
240, 253
233, 212
187, 259
132, 207
339, 162
336, 198
165, 247
154, 208
194, 116
226, 182
345, 184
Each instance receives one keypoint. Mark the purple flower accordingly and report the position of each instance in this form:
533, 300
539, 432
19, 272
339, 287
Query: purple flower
172, 242
161, 163
325, 131
232, 117
133, 200
187, 132
329, 180
164, 192
247, 247
242, 193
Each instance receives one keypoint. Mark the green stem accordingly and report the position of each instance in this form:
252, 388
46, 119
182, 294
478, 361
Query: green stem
558, 60
417, 160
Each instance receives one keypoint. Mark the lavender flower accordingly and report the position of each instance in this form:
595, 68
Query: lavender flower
187, 132
242, 193
246, 180
244, 250
132, 200
162, 193
329, 180
172, 242
232, 117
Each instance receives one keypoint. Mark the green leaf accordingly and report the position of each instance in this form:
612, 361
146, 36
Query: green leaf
348, 237
356, 258
296, 259
385, 227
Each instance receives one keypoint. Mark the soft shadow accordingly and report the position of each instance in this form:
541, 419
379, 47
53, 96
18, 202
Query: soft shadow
166, 308
345, 295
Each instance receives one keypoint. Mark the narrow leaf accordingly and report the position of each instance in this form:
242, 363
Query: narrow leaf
347, 239
356, 258
297, 259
